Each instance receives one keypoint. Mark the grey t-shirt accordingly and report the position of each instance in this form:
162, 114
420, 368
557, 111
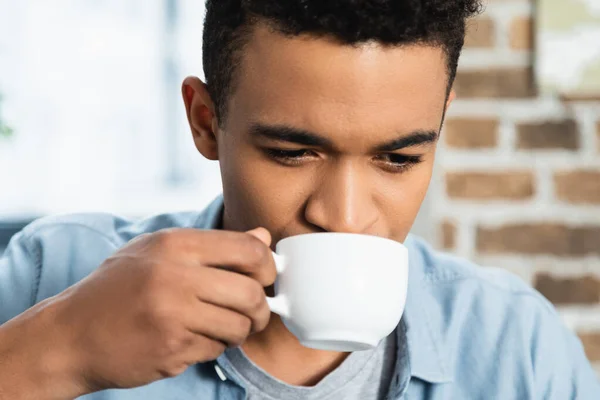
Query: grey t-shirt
363, 375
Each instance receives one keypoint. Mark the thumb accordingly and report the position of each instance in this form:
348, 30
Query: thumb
261, 234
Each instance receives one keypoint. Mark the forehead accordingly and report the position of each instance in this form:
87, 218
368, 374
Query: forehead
320, 84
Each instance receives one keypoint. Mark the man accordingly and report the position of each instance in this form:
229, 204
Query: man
324, 116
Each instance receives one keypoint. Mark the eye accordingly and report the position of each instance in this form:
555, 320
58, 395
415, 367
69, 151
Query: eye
289, 157
393, 162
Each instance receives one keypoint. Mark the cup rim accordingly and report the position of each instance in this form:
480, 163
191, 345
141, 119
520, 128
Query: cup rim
348, 234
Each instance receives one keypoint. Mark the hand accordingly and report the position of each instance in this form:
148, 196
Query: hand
164, 302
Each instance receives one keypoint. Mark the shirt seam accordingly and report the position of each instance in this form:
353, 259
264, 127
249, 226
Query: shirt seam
34, 255
36, 230
34, 252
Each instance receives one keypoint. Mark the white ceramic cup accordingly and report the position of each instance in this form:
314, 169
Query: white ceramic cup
340, 291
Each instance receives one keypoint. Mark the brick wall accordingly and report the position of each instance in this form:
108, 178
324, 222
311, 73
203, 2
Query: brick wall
518, 178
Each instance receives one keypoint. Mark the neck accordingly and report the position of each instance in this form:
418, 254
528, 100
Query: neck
279, 353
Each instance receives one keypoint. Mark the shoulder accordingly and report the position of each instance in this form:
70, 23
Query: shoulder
63, 250
78, 229
455, 275
53, 253
101, 227
492, 317
464, 295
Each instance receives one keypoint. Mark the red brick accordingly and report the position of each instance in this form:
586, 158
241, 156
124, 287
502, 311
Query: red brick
548, 135
448, 230
504, 83
521, 33
580, 187
515, 185
542, 238
591, 344
471, 133
585, 290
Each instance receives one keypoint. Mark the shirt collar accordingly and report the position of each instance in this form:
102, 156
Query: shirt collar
427, 358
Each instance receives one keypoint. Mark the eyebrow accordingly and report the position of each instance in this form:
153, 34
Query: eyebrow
416, 138
303, 137
286, 133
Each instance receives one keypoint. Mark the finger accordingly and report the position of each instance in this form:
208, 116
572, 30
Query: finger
237, 251
262, 234
233, 291
218, 323
249, 256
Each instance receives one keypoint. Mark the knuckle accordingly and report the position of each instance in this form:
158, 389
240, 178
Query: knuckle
173, 344
165, 238
254, 296
159, 307
140, 240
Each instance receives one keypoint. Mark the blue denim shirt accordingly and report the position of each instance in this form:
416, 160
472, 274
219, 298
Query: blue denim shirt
467, 332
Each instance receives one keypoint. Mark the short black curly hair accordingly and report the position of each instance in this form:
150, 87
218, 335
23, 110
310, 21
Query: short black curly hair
228, 26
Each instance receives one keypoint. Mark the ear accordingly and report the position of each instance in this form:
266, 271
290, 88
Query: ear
450, 99
201, 116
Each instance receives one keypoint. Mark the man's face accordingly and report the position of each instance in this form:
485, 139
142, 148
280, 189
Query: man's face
325, 137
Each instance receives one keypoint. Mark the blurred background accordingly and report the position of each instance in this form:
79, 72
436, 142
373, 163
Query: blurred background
93, 121
518, 180
91, 107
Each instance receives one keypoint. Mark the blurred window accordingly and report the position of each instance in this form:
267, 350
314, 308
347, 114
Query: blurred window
91, 92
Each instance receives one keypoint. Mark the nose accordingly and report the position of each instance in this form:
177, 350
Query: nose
343, 201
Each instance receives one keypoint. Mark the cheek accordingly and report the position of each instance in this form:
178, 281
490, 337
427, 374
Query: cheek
259, 192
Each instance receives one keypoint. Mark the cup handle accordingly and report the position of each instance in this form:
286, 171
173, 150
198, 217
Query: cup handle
279, 304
